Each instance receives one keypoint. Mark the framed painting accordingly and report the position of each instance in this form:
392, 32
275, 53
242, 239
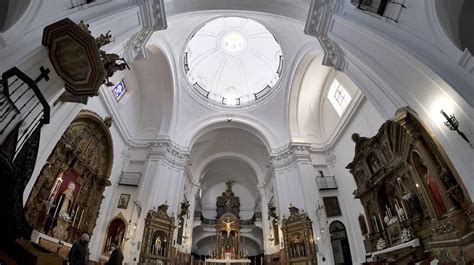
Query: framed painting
123, 201
331, 204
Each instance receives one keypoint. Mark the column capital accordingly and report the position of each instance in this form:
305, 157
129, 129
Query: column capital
169, 152
289, 155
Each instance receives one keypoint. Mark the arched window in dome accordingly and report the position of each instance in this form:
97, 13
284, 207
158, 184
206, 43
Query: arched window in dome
339, 97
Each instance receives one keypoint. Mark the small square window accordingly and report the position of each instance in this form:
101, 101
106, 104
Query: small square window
119, 90
339, 97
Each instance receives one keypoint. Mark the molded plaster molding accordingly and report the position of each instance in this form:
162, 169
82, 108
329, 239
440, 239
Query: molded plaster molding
288, 156
318, 24
168, 151
153, 18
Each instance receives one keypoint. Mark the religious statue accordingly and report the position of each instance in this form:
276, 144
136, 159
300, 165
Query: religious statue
67, 201
109, 60
103, 40
84, 26
374, 162
227, 227
157, 249
184, 208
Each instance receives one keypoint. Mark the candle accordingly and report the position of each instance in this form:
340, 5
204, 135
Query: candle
376, 225
381, 223
75, 215
57, 206
80, 219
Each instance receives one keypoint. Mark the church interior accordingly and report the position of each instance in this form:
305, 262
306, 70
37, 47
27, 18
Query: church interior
266, 132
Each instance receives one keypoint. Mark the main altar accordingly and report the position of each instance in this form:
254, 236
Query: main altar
227, 248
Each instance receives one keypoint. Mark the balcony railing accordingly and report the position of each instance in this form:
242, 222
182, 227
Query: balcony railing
130, 179
327, 183
208, 221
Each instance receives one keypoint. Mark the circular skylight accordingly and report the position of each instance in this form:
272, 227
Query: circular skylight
233, 60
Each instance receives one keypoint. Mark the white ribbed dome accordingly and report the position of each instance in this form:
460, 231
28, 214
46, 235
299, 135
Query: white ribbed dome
233, 60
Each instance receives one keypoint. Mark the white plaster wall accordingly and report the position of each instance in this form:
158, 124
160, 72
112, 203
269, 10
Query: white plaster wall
366, 122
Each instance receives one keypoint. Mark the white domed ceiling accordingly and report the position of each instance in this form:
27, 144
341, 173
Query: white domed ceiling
233, 60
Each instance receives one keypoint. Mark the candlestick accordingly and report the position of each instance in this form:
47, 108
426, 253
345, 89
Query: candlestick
381, 223
57, 207
376, 225
80, 220
75, 215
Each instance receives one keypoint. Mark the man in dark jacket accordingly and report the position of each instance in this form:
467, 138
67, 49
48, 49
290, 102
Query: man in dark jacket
116, 257
78, 253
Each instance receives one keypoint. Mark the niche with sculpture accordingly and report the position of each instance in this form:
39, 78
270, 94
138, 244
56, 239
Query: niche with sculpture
67, 194
411, 194
298, 238
157, 235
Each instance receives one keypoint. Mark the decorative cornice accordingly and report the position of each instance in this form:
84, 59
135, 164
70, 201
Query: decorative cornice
318, 24
290, 154
152, 18
330, 157
169, 151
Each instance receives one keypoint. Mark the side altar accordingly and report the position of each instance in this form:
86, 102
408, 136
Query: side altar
157, 236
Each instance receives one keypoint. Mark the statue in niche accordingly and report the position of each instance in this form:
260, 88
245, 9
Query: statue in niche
432, 186
360, 177
373, 162
157, 247
67, 201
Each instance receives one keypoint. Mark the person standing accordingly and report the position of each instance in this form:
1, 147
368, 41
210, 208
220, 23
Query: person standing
78, 253
116, 257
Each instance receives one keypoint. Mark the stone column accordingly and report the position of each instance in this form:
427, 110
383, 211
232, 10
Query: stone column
162, 181
189, 230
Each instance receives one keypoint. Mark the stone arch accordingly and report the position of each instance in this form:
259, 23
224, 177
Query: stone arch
69, 189
307, 58
116, 230
238, 156
157, 92
456, 21
11, 12
340, 244
245, 123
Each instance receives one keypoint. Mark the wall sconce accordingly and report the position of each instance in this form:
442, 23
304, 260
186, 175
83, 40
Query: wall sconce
453, 124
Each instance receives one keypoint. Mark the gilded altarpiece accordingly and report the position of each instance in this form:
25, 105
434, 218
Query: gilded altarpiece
67, 195
300, 248
157, 236
415, 202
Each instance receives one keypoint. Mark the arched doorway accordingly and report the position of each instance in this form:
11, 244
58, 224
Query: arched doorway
340, 245
115, 232
67, 194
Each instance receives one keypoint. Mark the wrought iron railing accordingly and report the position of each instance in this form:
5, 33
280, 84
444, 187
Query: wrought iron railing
327, 182
381, 7
23, 109
23, 112
130, 178
208, 221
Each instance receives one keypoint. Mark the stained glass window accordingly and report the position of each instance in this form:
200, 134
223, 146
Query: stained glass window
119, 90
